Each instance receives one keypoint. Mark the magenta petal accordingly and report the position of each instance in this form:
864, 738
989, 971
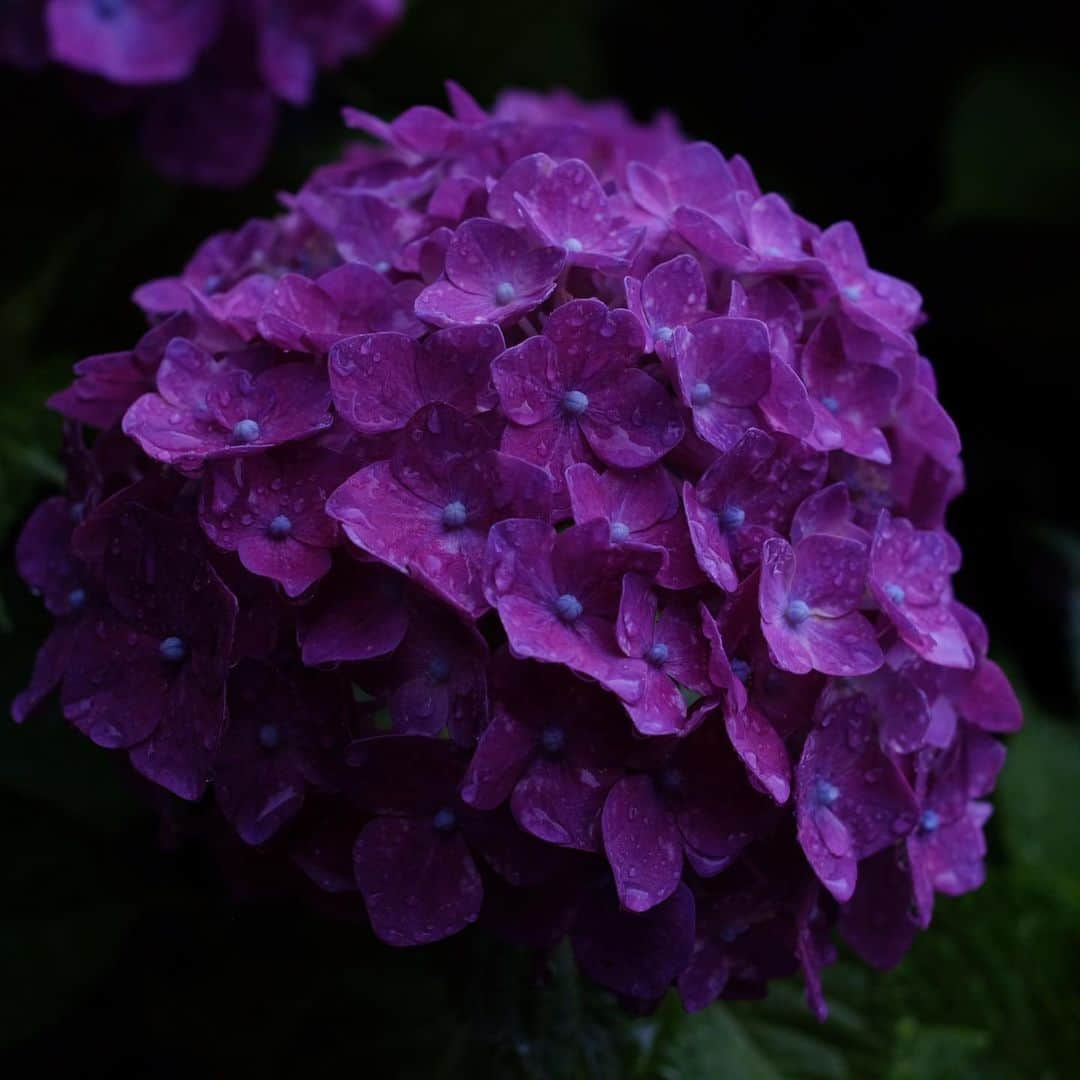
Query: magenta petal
851, 800
989, 702
876, 921
642, 844
762, 751
358, 614
373, 381
844, 646
560, 801
710, 542
50, 667
504, 749
659, 709
175, 756
522, 376
633, 422
408, 533
295, 565
419, 885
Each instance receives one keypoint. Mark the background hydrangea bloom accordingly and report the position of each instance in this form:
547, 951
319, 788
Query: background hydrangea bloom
537, 525
205, 75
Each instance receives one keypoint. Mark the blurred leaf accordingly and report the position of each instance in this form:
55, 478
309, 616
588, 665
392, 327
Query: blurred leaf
48, 961
1038, 799
1013, 149
936, 1053
1068, 547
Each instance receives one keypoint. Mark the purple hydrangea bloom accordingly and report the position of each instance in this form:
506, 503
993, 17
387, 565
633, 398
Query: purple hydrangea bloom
215, 67
945, 852
147, 672
555, 769
722, 368
568, 208
694, 804
428, 510
746, 496
300, 315
412, 863
270, 510
909, 576
133, 42
236, 405
574, 392
808, 598
492, 274
380, 380
285, 730
675, 654
539, 526
671, 296
357, 614
851, 799
641, 507
558, 597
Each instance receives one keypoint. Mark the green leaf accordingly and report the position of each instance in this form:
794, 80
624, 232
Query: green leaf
775, 1039
936, 1053
1037, 797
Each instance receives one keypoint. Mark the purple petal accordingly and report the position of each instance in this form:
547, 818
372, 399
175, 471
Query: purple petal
419, 884
642, 844
636, 955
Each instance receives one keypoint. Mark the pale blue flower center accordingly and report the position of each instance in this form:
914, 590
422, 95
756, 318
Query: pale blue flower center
439, 669
731, 517
620, 531
246, 431
504, 292
740, 669
826, 793
669, 780
657, 654
895, 593
553, 740
701, 394
798, 611
573, 244
568, 608
830, 403
77, 597
930, 820
279, 527
454, 515
445, 820
172, 649
663, 334
575, 402
77, 511
382, 266
269, 736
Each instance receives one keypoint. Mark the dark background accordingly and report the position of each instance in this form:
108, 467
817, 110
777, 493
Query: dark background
952, 139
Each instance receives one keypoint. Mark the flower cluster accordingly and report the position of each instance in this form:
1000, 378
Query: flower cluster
206, 76
537, 524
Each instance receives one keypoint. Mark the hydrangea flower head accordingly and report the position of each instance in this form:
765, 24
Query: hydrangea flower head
206, 76
538, 527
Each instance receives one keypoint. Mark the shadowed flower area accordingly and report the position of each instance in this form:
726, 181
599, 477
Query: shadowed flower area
538, 527
205, 76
